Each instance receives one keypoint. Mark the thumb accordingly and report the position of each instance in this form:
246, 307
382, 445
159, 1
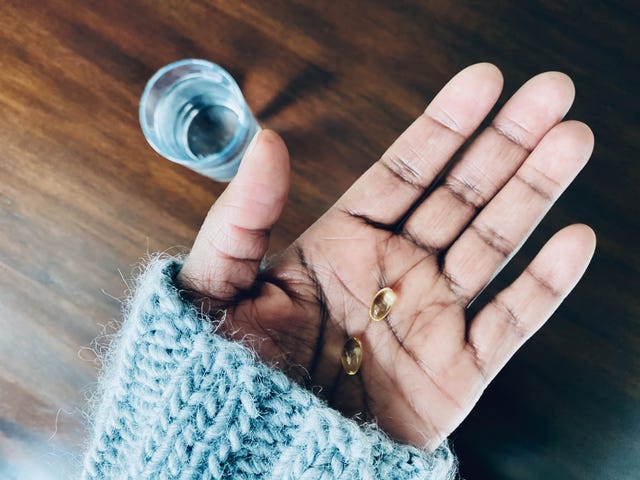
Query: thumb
234, 237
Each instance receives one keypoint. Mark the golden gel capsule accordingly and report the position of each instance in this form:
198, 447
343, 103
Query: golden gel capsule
351, 356
381, 304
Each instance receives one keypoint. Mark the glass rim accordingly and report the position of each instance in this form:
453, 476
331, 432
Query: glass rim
149, 132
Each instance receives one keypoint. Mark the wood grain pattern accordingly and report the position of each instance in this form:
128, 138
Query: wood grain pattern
83, 197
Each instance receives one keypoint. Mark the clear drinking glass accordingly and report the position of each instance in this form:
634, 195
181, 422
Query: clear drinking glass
193, 113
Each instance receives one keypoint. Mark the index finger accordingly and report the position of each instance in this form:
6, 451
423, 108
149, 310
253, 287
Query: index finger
385, 192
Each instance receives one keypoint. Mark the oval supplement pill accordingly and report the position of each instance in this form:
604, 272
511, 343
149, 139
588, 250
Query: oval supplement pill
351, 356
381, 304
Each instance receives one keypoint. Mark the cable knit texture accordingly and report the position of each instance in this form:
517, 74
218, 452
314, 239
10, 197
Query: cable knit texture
178, 401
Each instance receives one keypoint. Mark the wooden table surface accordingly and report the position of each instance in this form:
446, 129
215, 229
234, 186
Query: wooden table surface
83, 197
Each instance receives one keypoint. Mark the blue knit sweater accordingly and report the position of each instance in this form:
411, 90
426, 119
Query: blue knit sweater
177, 401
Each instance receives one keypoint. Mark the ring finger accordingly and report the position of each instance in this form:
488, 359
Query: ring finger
506, 222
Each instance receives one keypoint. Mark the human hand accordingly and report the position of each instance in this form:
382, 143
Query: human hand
426, 364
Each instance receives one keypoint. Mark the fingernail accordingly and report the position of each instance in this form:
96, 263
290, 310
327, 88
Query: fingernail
252, 145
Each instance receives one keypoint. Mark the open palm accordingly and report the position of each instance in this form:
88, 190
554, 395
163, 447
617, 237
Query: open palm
435, 233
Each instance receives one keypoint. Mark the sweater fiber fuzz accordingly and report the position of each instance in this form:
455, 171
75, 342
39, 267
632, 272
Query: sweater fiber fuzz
177, 401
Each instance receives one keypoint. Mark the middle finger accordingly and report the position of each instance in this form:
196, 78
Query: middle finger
491, 160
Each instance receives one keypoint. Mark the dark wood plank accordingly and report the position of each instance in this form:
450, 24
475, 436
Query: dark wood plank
83, 197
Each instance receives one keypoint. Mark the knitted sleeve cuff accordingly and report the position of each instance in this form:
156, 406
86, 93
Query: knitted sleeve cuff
177, 401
